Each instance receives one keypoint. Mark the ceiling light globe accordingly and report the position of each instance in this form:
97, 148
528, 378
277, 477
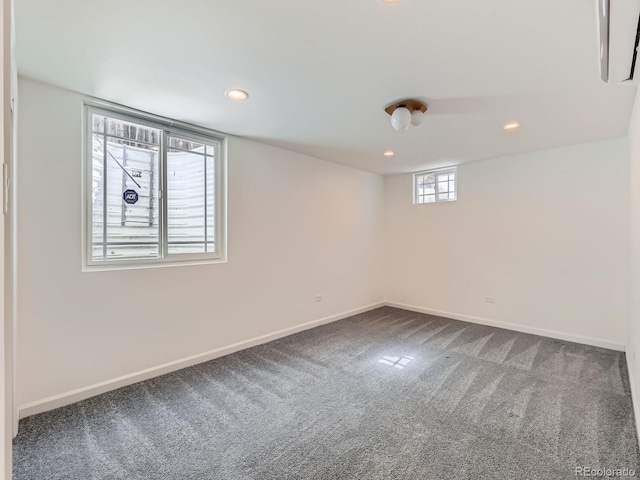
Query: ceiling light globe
401, 118
416, 118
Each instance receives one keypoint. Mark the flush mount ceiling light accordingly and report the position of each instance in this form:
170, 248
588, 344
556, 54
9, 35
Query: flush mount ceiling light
511, 126
405, 113
389, 153
235, 94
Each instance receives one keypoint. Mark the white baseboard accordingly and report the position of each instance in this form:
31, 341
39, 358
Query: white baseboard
634, 393
68, 398
513, 326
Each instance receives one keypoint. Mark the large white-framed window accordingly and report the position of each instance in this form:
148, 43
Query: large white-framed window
433, 186
154, 191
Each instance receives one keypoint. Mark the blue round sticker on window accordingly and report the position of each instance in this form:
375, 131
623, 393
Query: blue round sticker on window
130, 197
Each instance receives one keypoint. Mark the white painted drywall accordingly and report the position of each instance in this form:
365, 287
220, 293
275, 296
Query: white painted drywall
6, 319
5, 322
546, 234
633, 339
298, 227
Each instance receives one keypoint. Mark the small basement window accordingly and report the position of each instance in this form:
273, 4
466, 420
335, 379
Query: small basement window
154, 192
435, 186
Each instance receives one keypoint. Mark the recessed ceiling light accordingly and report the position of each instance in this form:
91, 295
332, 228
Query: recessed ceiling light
511, 126
389, 153
235, 94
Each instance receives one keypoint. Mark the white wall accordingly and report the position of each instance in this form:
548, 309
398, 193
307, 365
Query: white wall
6, 331
546, 234
633, 340
298, 226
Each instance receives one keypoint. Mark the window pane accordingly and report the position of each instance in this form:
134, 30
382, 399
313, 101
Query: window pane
211, 206
98, 122
97, 198
190, 198
452, 196
132, 200
443, 187
130, 133
181, 144
425, 188
443, 196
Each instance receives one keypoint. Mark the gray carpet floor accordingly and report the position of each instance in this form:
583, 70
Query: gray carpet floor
388, 394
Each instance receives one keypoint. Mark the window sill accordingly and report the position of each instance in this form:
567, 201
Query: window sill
158, 264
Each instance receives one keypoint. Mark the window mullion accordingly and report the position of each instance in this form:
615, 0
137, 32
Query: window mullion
219, 218
206, 201
164, 209
104, 192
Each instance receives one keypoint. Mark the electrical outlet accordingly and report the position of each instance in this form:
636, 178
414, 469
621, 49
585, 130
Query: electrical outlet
489, 300
319, 297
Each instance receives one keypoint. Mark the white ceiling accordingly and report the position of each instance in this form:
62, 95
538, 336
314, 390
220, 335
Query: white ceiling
321, 72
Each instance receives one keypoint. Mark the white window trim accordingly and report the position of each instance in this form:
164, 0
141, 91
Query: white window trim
170, 127
437, 171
